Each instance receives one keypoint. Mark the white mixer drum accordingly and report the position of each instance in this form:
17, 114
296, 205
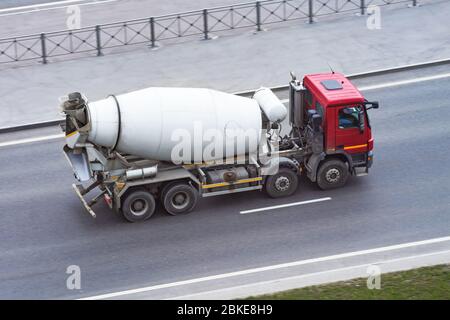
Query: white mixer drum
150, 122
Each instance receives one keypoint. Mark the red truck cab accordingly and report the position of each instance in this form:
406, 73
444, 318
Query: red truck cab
347, 135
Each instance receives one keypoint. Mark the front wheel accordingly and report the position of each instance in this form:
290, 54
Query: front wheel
332, 174
283, 183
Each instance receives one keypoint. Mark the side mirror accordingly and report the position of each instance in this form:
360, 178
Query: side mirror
371, 105
361, 121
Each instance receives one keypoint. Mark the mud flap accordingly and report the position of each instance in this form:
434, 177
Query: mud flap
312, 166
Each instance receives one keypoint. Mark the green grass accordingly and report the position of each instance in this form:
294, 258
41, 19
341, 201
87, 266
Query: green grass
429, 283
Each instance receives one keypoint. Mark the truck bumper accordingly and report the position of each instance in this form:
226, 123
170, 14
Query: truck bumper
369, 159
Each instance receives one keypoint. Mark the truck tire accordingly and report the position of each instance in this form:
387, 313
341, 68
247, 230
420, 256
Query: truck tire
283, 183
166, 187
332, 174
139, 205
179, 198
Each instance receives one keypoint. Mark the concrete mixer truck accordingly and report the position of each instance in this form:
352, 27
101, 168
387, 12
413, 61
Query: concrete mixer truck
177, 145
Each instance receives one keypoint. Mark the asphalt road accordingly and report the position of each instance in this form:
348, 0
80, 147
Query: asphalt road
44, 229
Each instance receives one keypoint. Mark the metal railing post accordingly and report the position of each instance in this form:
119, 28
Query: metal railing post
363, 7
258, 16
152, 31
205, 23
311, 11
44, 49
99, 40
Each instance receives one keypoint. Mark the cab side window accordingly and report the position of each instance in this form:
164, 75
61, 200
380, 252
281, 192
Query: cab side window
319, 109
348, 117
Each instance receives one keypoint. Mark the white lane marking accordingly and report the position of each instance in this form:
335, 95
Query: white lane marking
276, 282
403, 82
397, 83
30, 140
285, 205
268, 268
49, 6
41, 5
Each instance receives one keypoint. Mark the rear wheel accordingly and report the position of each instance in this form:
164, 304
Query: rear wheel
332, 173
283, 183
139, 205
179, 198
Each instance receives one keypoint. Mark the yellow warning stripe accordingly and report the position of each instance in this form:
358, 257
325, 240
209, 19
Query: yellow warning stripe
224, 184
71, 134
355, 147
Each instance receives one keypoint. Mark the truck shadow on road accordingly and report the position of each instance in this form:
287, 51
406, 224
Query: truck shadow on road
227, 206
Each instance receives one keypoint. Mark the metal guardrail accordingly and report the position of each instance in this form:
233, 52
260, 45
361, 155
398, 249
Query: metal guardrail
200, 23
248, 93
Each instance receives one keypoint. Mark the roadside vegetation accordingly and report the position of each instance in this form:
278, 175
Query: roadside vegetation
429, 283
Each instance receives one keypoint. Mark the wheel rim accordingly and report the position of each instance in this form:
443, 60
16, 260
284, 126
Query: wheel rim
333, 175
139, 207
180, 200
282, 183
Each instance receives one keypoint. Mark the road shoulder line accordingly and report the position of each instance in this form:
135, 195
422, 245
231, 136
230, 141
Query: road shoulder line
322, 277
267, 268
